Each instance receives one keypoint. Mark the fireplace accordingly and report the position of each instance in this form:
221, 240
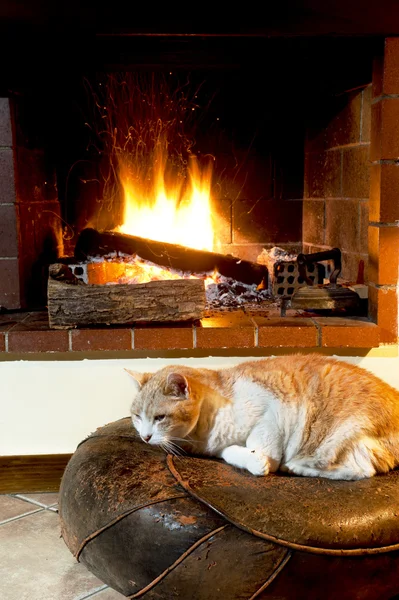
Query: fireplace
301, 134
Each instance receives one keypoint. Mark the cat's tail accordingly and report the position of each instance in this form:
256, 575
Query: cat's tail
383, 452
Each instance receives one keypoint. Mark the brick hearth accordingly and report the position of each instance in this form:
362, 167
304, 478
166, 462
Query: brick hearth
27, 333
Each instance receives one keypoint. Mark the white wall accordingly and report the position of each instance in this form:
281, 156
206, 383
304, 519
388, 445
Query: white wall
49, 407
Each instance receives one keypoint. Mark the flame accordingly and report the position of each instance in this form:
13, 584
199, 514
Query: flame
168, 207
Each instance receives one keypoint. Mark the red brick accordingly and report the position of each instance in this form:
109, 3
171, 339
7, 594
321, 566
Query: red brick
35, 177
338, 124
364, 227
313, 226
257, 221
366, 114
346, 333
233, 330
384, 197
344, 127
5, 123
32, 334
285, 332
356, 172
323, 174
386, 69
38, 341
90, 340
343, 224
385, 130
384, 255
163, 338
383, 307
8, 231
7, 322
9, 283
378, 71
40, 229
7, 186
352, 267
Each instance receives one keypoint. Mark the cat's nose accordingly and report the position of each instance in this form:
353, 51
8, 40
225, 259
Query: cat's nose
147, 438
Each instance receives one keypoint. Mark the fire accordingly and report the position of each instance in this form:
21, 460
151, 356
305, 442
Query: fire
168, 207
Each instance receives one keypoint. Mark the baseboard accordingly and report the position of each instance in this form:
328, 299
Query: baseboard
37, 473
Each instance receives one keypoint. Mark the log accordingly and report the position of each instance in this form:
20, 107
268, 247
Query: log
73, 304
92, 243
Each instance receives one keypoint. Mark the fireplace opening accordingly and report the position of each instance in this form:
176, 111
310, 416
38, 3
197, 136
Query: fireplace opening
273, 136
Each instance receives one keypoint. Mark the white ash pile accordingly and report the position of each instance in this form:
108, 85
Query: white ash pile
225, 292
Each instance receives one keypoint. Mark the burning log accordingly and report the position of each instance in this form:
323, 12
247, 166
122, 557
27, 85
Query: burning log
92, 243
72, 303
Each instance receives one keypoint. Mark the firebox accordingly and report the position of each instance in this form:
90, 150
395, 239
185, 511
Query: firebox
246, 142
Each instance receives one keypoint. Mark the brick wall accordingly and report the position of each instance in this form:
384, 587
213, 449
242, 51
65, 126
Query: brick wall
337, 179
9, 270
30, 224
262, 207
384, 196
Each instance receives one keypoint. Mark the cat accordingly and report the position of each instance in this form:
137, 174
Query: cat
305, 415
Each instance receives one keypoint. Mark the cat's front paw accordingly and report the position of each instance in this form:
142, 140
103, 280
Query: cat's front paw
257, 463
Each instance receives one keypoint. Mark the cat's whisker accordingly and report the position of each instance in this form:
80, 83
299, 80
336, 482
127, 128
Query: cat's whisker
186, 439
174, 448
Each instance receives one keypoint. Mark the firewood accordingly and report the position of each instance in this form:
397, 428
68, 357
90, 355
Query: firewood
92, 243
71, 305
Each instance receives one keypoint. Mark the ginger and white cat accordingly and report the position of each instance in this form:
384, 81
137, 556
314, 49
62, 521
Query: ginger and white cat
307, 415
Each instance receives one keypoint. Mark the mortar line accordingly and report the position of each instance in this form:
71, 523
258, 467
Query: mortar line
382, 225
384, 97
256, 331
319, 331
361, 115
385, 161
352, 145
342, 171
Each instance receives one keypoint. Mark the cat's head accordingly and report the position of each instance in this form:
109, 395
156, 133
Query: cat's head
166, 406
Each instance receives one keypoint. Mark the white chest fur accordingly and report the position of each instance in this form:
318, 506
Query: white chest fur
234, 422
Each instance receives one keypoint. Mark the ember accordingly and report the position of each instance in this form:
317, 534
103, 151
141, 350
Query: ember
117, 268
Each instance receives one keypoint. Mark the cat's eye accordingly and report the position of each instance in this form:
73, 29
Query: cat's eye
159, 418
137, 417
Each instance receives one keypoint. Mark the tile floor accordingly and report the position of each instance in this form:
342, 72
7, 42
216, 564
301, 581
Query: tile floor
35, 563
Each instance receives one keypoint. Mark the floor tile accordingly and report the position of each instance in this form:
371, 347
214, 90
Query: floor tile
45, 499
13, 507
108, 594
35, 563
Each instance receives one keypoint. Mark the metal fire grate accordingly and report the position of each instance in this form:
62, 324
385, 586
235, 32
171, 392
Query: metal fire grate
286, 278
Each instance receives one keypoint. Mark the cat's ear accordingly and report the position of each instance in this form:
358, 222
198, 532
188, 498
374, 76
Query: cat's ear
177, 386
139, 379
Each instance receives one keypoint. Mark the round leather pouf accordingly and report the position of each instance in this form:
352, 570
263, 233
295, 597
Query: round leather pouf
159, 527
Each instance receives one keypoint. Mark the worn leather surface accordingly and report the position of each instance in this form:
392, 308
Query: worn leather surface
158, 527
129, 521
111, 473
314, 512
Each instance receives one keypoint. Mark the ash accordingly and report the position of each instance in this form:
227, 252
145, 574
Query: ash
225, 292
